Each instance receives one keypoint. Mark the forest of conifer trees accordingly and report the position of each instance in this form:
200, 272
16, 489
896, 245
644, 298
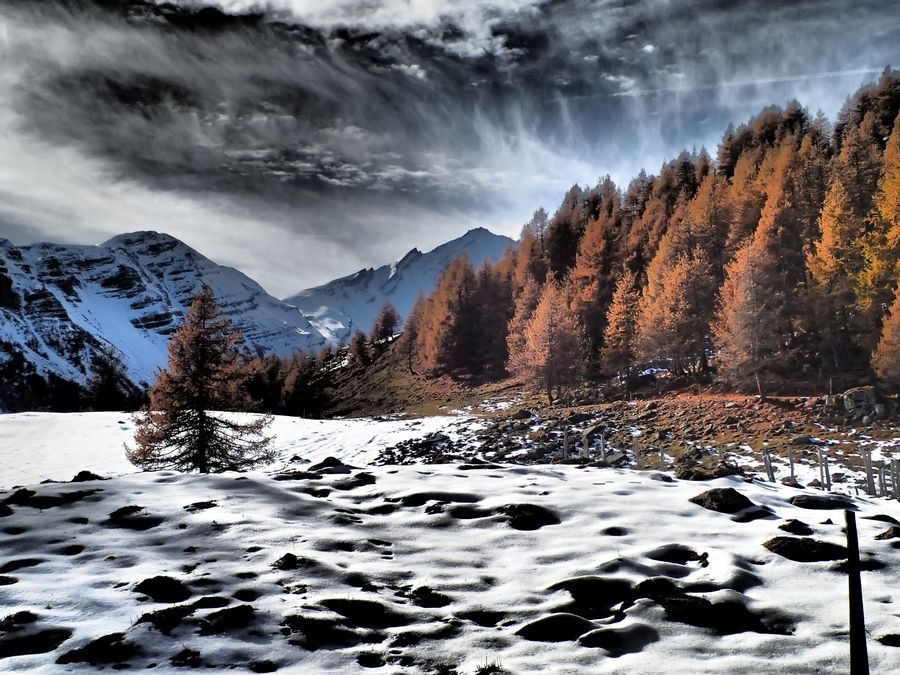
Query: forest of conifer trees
772, 264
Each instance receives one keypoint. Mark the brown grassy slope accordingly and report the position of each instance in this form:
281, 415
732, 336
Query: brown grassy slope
387, 386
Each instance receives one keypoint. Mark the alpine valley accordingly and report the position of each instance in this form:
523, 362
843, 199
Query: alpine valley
61, 306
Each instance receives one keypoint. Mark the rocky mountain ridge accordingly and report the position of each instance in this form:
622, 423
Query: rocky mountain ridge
61, 305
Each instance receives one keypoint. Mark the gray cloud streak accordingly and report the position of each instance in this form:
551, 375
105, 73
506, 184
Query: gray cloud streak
317, 137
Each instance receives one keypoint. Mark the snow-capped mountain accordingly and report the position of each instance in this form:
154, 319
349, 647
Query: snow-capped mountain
59, 305
341, 306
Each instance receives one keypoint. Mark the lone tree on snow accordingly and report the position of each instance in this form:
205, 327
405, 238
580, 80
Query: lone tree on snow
205, 373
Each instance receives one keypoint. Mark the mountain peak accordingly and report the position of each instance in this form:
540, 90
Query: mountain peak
140, 237
354, 300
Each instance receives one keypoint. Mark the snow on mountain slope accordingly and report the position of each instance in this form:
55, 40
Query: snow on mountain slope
59, 305
343, 305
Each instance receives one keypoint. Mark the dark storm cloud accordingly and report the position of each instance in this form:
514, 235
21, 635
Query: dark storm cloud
308, 138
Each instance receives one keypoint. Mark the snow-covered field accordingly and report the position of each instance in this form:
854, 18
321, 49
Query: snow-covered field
412, 569
55, 446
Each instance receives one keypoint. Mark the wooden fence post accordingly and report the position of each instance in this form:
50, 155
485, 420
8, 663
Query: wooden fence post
895, 478
767, 461
859, 657
870, 479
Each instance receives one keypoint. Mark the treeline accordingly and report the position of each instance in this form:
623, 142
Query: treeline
23, 387
777, 259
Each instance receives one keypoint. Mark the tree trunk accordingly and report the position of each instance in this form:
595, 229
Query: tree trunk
761, 389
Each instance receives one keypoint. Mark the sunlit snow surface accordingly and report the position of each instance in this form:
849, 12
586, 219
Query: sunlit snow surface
478, 563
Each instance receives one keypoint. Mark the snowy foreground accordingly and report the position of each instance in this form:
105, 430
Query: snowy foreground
349, 568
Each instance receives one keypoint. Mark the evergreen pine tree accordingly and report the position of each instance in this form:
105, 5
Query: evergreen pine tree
183, 428
882, 245
385, 325
886, 357
619, 341
359, 349
554, 344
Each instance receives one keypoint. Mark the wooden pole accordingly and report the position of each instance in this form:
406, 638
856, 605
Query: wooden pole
870, 480
895, 478
859, 657
791, 462
767, 461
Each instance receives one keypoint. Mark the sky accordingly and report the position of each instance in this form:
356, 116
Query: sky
302, 140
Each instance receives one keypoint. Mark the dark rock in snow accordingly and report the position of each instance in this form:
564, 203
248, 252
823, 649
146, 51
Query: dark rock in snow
200, 506
560, 627
229, 619
265, 666
246, 595
797, 527
5, 510
163, 589
72, 549
168, 619
331, 465
697, 472
528, 516
16, 621
619, 641
615, 531
468, 512
892, 532
112, 648
890, 640
40, 642
187, 658
26, 497
804, 549
211, 602
133, 518
593, 597
85, 477
317, 633
359, 480
482, 617
370, 660
722, 500
674, 553
21, 563
662, 477
297, 475
8, 581
423, 596
883, 518
366, 613
289, 562
421, 498
724, 618
756, 513
821, 502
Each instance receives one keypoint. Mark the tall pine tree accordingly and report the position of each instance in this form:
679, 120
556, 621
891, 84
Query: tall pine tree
184, 428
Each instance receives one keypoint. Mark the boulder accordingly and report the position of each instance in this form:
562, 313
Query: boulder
805, 549
722, 500
821, 502
860, 399
163, 589
559, 627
